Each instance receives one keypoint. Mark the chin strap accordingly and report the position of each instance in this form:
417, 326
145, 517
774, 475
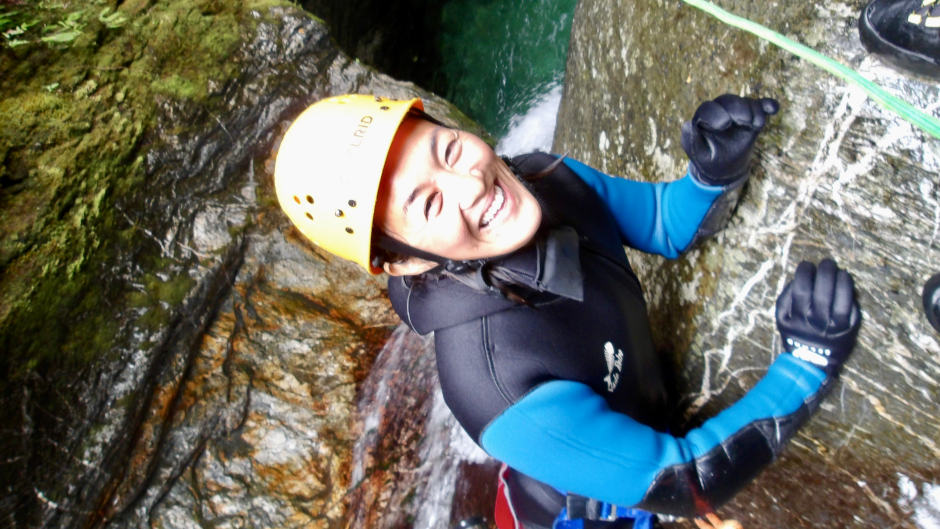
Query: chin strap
391, 244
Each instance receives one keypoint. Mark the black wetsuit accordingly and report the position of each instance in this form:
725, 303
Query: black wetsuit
568, 389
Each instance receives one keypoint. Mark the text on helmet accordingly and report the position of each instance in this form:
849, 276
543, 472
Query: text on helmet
360, 132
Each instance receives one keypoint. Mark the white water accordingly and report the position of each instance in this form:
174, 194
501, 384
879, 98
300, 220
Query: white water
444, 447
375, 396
533, 130
925, 503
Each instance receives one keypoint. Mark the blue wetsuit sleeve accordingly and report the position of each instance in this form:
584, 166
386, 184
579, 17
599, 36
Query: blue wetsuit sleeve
662, 218
564, 434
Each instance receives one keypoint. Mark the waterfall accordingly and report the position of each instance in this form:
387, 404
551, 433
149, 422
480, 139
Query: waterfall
534, 129
413, 465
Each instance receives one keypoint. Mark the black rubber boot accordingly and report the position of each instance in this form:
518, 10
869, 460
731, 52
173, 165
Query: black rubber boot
906, 33
932, 301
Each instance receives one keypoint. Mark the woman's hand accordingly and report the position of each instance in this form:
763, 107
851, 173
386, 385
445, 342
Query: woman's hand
818, 316
721, 136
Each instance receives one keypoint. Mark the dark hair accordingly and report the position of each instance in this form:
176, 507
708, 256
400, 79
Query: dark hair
380, 255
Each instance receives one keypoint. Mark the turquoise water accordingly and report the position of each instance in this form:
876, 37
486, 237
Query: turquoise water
502, 57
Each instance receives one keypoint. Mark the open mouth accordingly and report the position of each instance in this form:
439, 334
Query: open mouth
495, 207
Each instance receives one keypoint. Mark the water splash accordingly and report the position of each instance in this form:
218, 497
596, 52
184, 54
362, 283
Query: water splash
409, 463
925, 504
374, 396
445, 448
534, 129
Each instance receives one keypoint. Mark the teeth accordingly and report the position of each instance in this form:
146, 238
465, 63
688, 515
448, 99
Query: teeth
494, 208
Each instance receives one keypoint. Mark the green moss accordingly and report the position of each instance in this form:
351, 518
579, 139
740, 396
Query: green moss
63, 321
72, 145
178, 87
159, 295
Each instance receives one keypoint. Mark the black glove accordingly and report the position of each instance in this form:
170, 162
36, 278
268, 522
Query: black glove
818, 316
721, 135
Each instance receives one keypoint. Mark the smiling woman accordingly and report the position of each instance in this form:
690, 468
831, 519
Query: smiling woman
446, 192
541, 334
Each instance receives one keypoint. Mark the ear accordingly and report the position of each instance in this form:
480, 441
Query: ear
412, 267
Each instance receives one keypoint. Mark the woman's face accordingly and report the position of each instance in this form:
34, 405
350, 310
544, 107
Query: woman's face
446, 192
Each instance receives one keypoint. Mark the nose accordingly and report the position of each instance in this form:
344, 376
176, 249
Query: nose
466, 188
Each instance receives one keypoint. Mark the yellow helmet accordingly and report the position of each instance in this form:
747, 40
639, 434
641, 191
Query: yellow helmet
329, 166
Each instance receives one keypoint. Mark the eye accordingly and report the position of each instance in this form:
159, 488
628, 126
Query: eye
452, 151
428, 205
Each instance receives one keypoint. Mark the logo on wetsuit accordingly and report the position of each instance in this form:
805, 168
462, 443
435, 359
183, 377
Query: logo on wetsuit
614, 364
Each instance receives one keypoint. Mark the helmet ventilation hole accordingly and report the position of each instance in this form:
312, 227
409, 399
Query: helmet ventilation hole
296, 199
309, 216
349, 231
384, 107
338, 213
310, 199
352, 203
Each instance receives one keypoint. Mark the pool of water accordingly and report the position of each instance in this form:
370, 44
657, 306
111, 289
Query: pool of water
503, 63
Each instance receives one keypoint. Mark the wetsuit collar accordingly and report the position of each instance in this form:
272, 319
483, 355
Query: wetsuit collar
548, 268
551, 265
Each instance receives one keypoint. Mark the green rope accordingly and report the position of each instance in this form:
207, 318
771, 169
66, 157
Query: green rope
928, 123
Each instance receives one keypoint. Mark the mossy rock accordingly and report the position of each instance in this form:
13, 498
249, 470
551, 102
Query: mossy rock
139, 226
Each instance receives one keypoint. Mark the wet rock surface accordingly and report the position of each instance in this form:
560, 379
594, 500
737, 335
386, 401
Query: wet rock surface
174, 354
413, 465
834, 175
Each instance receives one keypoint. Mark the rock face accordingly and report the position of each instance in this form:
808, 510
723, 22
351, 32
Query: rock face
834, 175
174, 354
